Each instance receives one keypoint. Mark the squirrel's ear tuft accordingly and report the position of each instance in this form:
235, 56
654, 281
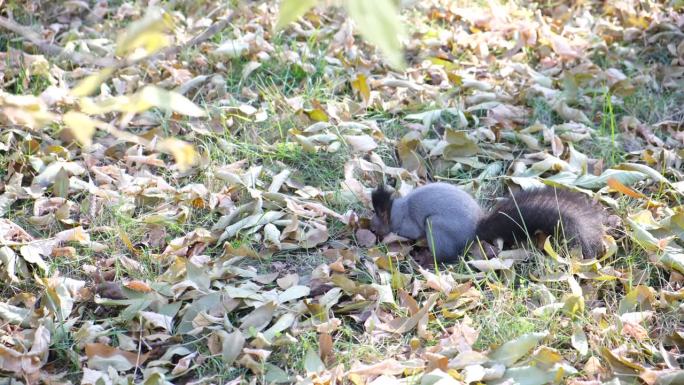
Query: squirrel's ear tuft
382, 200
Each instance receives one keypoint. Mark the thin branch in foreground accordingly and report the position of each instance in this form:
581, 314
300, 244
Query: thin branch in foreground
83, 58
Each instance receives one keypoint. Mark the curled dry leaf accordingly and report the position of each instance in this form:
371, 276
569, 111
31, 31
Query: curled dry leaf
102, 356
27, 364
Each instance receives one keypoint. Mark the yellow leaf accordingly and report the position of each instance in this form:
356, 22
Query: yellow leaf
91, 83
407, 148
448, 65
317, 114
460, 145
169, 100
552, 253
27, 110
361, 85
148, 97
118, 103
81, 126
127, 241
307, 145
151, 41
379, 22
184, 153
147, 32
291, 10
637, 22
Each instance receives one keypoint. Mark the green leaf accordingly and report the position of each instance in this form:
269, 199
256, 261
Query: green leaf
313, 363
275, 375
379, 23
669, 377
642, 237
644, 169
61, 186
291, 10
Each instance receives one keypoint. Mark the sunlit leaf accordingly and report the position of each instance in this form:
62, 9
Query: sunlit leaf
379, 22
579, 340
143, 100
91, 83
184, 153
317, 115
291, 10
149, 32
360, 84
511, 351
81, 126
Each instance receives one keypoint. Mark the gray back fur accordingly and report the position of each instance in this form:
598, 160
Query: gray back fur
452, 215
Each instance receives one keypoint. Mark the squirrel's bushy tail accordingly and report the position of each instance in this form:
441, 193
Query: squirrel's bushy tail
569, 215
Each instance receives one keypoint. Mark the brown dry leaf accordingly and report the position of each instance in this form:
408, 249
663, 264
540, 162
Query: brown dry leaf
407, 148
27, 364
569, 113
138, 286
314, 237
365, 238
325, 347
260, 317
361, 143
402, 325
562, 47
77, 234
386, 367
101, 357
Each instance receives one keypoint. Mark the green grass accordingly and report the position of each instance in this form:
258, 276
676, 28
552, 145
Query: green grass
542, 112
651, 106
506, 309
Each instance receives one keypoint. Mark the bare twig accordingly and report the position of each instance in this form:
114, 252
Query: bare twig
82, 58
79, 58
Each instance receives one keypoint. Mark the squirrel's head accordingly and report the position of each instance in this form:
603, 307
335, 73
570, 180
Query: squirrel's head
382, 205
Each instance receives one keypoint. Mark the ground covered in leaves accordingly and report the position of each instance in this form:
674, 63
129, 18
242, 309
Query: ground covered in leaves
200, 215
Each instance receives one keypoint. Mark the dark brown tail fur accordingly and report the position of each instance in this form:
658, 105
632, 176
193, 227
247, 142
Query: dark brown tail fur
543, 210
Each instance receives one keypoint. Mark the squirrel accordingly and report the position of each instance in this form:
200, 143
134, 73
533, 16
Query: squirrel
449, 218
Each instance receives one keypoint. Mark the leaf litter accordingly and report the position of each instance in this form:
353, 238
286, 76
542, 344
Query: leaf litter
156, 227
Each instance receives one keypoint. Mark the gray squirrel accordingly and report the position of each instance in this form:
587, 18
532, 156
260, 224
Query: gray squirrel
449, 218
